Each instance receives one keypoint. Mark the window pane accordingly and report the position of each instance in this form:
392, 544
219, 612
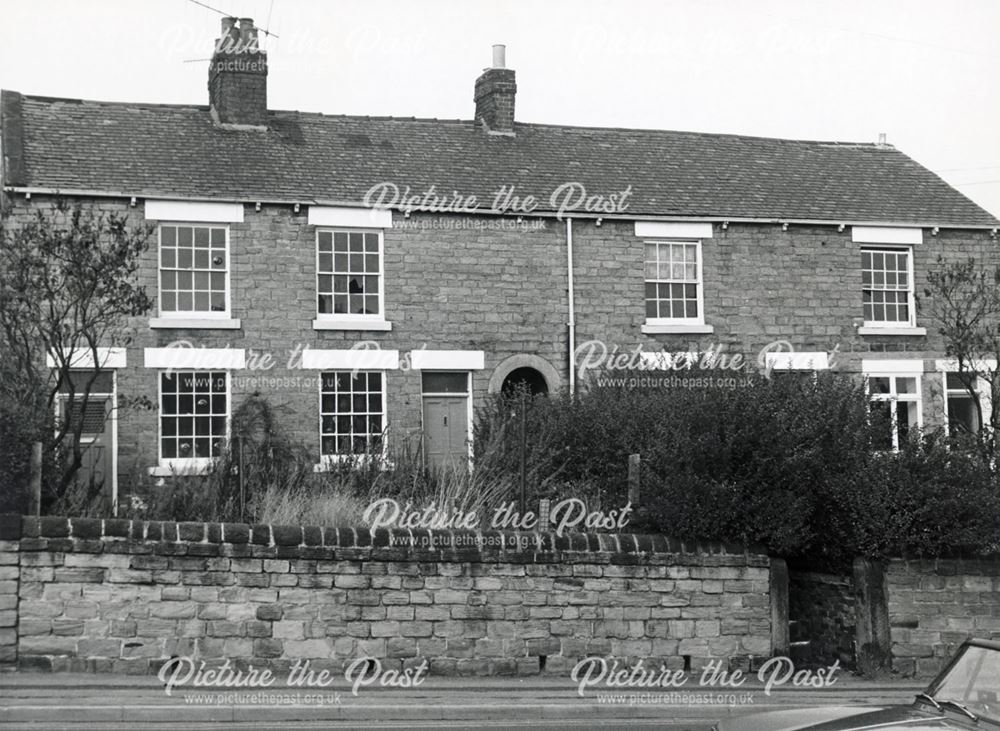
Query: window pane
955, 381
879, 384
881, 416
440, 382
962, 415
906, 385
906, 418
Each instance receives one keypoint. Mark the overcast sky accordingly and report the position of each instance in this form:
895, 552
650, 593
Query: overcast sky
925, 72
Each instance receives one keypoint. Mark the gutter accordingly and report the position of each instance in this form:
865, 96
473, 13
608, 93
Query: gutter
32, 190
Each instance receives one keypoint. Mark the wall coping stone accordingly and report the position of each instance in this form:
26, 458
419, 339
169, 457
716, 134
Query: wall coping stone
118, 535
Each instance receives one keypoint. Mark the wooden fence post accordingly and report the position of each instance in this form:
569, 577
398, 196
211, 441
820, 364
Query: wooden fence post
873, 635
633, 479
780, 644
35, 496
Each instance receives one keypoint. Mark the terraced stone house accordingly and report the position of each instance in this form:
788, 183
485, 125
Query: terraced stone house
382, 275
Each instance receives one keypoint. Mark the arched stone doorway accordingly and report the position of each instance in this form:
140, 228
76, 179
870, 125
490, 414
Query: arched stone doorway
533, 370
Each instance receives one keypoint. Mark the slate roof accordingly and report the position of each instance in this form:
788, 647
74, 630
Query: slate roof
177, 151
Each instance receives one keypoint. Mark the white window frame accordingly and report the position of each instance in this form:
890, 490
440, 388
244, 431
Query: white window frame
893, 397
910, 298
187, 465
946, 367
677, 324
191, 314
328, 461
348, 321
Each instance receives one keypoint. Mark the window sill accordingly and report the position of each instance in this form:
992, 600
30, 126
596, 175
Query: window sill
182, 468
657, 328
331, 463
194, 323
334, 324
903, 331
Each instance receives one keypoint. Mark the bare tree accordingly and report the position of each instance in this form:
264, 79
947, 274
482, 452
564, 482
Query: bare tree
963, 300
68, 284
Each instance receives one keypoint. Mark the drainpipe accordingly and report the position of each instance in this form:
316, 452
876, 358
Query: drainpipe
572, 306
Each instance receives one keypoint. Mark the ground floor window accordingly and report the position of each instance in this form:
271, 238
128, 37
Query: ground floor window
896, 399
960, 406
194, 414
352, 412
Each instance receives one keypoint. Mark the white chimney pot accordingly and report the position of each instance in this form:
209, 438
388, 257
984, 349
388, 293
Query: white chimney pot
499, 56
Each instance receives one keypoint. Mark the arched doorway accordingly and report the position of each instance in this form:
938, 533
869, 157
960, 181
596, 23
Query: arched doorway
529, 377
539, 374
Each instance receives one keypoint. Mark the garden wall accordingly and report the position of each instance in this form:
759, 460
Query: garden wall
821, 608
935, 604
120, 595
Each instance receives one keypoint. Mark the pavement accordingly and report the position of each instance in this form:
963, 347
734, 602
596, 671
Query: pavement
66, 700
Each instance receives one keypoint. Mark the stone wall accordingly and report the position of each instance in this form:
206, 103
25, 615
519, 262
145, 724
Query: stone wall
120, 595
935, 604
821, 606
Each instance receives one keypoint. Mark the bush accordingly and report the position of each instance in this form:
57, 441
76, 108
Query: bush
936, 496
786, 462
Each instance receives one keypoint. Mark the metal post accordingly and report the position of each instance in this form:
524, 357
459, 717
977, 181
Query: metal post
544, 507
242, 482
524, 451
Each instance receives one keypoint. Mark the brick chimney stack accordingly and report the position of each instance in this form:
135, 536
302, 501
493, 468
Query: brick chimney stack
494, 97
237, 76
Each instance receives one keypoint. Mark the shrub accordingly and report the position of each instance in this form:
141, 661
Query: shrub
936, 496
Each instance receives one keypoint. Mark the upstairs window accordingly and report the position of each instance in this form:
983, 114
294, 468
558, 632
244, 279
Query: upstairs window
194, 271
349, 275
887, 287
673, 282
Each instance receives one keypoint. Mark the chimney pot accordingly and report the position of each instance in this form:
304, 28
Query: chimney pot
227, 25
248, 33
499, 56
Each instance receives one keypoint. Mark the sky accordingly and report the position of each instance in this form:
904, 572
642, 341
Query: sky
924, 72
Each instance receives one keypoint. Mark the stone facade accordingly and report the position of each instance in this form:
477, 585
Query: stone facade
499, 287
936, 604
119, 595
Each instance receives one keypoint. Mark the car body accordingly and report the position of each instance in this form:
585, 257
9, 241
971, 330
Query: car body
965, 695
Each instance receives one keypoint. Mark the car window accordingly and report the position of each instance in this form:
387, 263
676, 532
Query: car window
974, 680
